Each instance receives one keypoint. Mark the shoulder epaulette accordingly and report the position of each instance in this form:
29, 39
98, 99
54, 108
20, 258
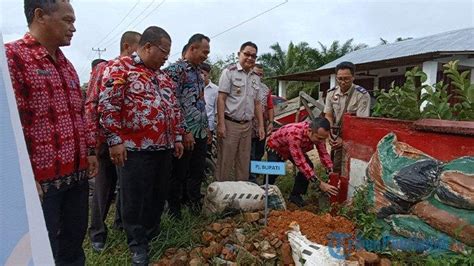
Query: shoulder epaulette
331, 89
361, 89
232, 67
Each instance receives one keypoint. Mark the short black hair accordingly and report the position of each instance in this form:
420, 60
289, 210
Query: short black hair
185, 48
249, 43
97, 61
206, 67
197, 38
320, 122
153, 34
346, 65
48, 7
130, 37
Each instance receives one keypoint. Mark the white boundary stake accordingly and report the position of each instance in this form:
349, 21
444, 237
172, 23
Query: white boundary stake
267, 168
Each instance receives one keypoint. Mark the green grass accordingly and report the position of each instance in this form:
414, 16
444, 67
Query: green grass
178, 234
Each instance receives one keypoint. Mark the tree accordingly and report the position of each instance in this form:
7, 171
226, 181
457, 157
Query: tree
302, 57
219, 65
336, 50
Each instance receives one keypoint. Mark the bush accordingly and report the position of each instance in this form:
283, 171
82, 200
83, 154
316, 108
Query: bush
412, 101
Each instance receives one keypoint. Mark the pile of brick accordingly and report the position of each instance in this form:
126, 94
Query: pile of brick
243, 240
229, 241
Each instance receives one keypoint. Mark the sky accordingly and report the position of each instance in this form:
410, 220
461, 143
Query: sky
100, 23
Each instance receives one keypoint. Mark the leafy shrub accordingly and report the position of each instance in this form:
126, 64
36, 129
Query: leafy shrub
412, 101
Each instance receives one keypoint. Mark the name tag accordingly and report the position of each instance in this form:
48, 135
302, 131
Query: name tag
43, 72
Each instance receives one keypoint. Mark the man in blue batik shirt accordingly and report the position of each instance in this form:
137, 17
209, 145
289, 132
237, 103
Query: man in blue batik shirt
185, 183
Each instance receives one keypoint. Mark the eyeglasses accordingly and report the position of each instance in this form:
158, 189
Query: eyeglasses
254, 56
166, 52
343, 79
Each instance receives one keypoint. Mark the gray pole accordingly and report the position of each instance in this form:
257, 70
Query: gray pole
266, 199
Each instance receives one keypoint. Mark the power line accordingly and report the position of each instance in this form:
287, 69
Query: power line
99, 51
241, 23
89, 58
86, 64
117, 25
247, 20
114, 39
149, 13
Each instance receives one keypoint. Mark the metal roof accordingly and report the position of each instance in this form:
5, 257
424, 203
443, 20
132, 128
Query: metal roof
451, 42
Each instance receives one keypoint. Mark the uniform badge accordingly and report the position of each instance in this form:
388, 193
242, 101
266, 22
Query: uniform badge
254, 84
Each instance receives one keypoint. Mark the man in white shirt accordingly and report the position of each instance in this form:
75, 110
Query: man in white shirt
210, 96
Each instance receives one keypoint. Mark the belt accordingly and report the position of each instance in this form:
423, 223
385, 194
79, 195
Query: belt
235, 120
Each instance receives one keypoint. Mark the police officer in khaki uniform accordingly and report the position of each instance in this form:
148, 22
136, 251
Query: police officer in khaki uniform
347, 97
237, 104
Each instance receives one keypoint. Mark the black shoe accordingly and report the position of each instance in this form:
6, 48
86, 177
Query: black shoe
139, 258
297, 200
98, 246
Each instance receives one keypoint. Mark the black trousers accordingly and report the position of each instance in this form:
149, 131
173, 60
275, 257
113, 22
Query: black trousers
66, 216
143, 187
105, 184
300, 186
185, 182
256, 154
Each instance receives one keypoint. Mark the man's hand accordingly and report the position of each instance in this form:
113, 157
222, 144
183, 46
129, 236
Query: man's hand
221, 130
118, 154
329, 170
188, 141
178, 150
336, 143
209, 136
93, 165
328, 188
269, 128
40, 191
261, 133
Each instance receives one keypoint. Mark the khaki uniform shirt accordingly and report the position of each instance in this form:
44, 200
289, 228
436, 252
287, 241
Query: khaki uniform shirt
336, 100
242, 90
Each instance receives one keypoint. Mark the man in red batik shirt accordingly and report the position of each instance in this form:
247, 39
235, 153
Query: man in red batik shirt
106, 179
292, 142
51, 109
143, 124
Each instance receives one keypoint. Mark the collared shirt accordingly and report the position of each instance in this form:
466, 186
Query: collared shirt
137, 106
210, 95
292, 141
336, 100
94, 134
51, 111
190, 94
242, 90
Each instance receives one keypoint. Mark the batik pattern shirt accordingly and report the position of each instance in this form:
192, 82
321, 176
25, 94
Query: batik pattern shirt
190, 93
138, 108
51, 109
94, 134
292, 141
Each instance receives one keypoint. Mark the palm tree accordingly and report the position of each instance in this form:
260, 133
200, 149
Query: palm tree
302, 57
336, 50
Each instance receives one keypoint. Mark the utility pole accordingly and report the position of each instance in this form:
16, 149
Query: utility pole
98, 50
